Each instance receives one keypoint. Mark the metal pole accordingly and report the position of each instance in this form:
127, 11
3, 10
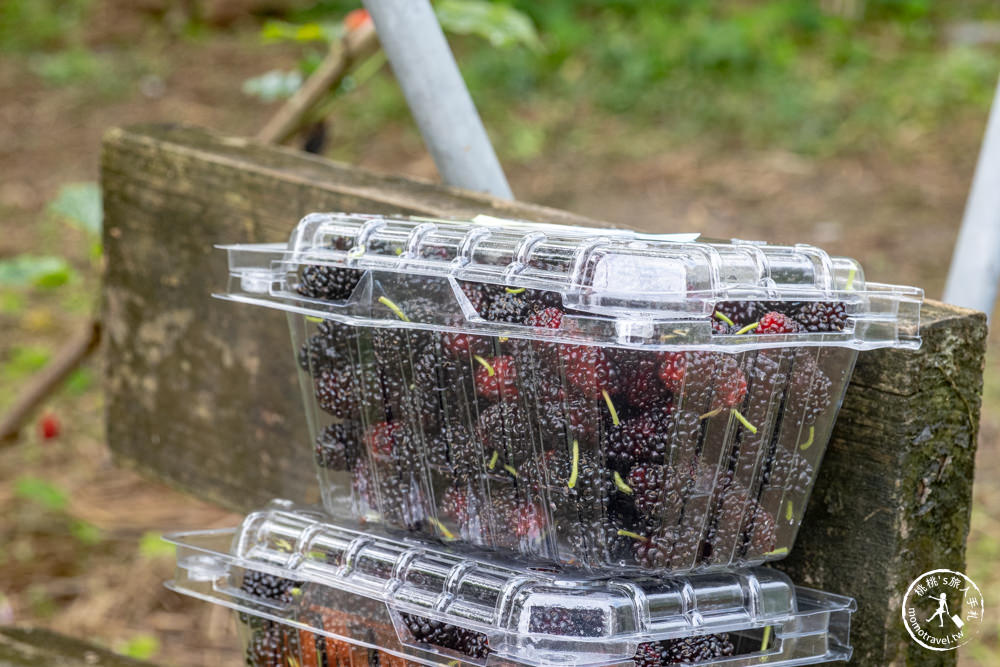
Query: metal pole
426, 70
975, 265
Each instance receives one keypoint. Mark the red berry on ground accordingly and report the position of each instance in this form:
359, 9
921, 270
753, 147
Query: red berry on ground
777, 323
356, 18
49, 426
496, 378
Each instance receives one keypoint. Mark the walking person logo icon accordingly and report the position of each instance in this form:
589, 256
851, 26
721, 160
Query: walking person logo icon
942, 610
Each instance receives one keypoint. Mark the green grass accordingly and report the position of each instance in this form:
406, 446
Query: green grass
31, 25
780, 74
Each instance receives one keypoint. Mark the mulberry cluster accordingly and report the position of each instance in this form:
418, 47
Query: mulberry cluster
446, 636
517, 442
780, 316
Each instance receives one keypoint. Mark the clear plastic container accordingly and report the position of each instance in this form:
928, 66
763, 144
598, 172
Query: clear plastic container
600, 398
306, 588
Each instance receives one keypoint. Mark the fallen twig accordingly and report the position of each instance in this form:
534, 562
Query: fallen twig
49, 378
356, 45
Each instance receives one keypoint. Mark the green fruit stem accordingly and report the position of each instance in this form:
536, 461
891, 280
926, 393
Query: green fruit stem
576, 465
394, 308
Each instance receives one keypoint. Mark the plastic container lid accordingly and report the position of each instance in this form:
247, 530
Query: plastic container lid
292, 567
618, 286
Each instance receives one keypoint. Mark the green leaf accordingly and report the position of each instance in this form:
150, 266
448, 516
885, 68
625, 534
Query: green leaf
140, 647
310, 32
40, 271
79, 381
72, 66
41, 492
274, 85
153, 546
11, 302
501, 25
85, 532
282, 31
80, 205
25, 360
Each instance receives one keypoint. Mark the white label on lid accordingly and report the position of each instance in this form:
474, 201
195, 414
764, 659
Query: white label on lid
639, 275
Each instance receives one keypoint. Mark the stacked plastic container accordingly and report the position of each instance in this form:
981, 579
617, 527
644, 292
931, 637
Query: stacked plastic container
566, 445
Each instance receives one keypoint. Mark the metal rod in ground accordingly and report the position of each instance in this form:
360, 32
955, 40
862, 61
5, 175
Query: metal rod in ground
439, 101
975, 265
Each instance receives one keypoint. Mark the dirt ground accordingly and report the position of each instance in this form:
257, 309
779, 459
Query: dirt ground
897, 214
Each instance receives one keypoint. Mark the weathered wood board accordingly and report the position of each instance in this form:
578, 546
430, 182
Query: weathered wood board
894, 494
203, 393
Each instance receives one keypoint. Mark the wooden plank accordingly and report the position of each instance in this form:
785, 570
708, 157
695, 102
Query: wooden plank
895, 491
203, 394
33, 647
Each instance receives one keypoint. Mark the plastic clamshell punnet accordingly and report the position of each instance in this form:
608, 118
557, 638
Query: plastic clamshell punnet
595, 397
307, 588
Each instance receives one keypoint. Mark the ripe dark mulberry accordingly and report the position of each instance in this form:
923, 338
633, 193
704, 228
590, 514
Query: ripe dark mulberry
810, 392
444, 635
659, 435
455, 503
330, 347
694, 650
337, 447
760, 533
720, 328
726, 523
401, 499
328, 282
657, 491
638, 377
562, 418
577, 480
271, 645
666, 547
391, 440
819, 316
789, 471
650, 654
503, 428
702, 381
338, 392
269, 586
508, 307
596, 541
566, 622
477, 294
740, 313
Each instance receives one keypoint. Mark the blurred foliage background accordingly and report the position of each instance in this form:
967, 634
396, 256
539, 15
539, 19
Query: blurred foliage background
853, 124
